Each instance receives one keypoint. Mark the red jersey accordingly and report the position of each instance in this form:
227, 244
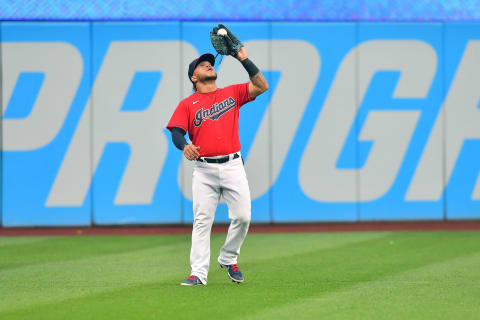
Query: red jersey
211, 119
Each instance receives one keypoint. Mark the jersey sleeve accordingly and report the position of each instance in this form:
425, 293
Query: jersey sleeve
179, 118
243, 93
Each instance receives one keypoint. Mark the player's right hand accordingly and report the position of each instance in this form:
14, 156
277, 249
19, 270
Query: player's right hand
242, 54
190, 151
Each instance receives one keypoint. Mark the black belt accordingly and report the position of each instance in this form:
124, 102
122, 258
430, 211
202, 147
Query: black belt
218, 160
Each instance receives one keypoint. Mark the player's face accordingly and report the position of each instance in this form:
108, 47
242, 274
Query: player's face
205, 71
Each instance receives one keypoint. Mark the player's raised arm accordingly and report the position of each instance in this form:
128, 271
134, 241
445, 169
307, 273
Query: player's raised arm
258, 84
226, 43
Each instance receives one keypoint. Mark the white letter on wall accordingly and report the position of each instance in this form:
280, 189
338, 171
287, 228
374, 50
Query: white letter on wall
391, 131
62, 66
141, 130
462, 122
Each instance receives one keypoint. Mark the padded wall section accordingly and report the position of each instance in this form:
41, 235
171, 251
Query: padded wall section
400, 91
362, 122
311, 109
46, 83
137, 80
462, 112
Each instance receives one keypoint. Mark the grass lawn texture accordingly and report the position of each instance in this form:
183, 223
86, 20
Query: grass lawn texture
357, 275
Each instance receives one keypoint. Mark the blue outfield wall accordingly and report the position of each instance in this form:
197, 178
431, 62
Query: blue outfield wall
362, 122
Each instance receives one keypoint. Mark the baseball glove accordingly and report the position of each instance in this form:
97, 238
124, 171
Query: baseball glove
227, 44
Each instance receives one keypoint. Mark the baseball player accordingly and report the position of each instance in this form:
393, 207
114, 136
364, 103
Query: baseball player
210, 116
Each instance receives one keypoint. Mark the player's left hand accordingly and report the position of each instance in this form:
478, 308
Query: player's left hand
228, 44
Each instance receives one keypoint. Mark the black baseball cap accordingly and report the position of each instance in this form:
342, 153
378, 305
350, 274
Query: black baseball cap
204, 57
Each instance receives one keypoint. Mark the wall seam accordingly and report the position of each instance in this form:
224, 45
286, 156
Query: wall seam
182, 167
91, 125
357, 105
443, 115
270, 124
1, 126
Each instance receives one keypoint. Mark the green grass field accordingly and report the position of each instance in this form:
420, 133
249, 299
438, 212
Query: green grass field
363, 275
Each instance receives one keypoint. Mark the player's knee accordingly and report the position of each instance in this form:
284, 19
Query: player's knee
203, 220
243, 220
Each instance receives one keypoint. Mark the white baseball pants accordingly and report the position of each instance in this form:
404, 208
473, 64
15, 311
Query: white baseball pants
210, 182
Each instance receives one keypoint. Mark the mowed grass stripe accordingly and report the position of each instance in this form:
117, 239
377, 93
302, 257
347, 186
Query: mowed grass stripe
444, 290
50, 249
15, 241
59, 280
273, 282
266, 246
62, 280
